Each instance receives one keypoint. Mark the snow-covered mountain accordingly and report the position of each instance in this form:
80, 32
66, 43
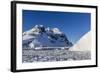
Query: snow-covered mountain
40, 36
84, 44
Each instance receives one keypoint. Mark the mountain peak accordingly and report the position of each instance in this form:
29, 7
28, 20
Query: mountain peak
45, 37
38, 26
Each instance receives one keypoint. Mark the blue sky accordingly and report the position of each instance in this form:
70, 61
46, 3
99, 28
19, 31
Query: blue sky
73, 24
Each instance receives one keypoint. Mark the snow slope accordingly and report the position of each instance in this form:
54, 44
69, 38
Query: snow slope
84, 44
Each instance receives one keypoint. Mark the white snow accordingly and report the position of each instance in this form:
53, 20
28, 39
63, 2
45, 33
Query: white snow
56, 31
84, 44
47, 29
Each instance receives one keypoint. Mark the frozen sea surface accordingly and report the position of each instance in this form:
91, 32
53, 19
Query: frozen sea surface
30, 55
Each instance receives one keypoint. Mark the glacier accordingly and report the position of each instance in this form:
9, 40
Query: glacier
84, 44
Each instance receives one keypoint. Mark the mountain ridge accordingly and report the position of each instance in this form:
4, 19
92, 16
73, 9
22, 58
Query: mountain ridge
40, 36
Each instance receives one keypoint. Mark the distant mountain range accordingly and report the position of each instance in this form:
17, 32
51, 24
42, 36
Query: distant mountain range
40, 36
